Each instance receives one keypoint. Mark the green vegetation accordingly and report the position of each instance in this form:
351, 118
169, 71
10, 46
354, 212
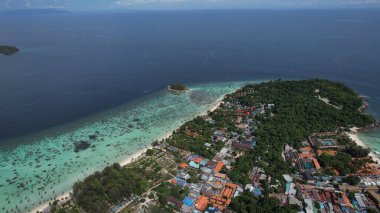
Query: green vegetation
8, 50
192, 136
149, 152
110, 186
166, 189
357, 151
340, 162
64, 207
297, 114
246, 203
177, 88
103, 190
243, 165
352, 180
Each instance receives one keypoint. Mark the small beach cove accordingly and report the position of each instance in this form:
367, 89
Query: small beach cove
361, 139
369, 137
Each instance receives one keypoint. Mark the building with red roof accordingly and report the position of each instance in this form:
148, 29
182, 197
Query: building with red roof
218, 167
346, 200
198, 160
224, 198
184, 165
316, 164
202, 203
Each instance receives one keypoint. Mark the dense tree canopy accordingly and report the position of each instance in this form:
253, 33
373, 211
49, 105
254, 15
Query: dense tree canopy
247, 203
98, 191
299, 112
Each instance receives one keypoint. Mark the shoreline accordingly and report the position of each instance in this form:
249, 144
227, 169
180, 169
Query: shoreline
353, 135
131, 158
42, 207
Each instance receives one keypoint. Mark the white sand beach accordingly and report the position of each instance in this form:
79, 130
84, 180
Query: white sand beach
142, 152
353, 134
65, 196
133, 157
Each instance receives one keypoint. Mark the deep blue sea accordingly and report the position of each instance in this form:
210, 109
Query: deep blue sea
76, 65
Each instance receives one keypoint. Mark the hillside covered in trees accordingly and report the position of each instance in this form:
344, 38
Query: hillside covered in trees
300, 110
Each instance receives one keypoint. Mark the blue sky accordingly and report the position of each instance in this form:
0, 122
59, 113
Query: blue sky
181, 4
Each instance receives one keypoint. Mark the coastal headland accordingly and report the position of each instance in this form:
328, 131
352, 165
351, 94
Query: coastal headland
233, 157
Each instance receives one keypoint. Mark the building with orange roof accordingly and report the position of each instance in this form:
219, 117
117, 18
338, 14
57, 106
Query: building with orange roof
219, 202
217, 185
329, 152
306, 155
346, 200
202, 203
224, 198
198, 160
316, 164
220, 175
332, 152
306, 149
184, 165
369, 169
336, 172
218, 167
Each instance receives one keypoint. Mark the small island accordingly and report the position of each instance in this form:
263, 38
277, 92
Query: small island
177, 88
8, 50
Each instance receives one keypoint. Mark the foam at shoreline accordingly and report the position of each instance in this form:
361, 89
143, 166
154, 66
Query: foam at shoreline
354, 135
35, 173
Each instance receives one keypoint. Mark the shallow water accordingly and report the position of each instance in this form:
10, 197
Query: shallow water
45, 167
372, 139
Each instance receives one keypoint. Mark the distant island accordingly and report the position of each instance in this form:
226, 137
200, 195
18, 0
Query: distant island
8, 50
177, 88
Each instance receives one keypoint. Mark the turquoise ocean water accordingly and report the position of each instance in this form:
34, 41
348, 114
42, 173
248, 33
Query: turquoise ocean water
46, 165
372, 138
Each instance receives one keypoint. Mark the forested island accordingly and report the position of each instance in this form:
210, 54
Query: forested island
177, 88
8, 50
278, 146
